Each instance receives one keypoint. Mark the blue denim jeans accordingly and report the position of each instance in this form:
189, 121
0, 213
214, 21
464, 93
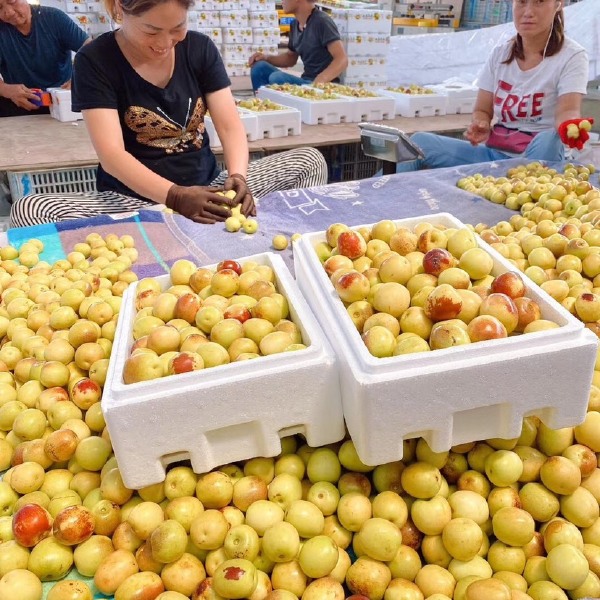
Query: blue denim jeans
262, 73
441, 151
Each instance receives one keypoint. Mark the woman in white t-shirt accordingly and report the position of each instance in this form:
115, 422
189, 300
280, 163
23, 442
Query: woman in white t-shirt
531, 88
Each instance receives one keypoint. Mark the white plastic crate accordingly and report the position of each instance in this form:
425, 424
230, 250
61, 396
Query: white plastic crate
460, 97
277, 123
227, 413
313, 112
417, 105
61, 105
457, 395
52, 181
249, 121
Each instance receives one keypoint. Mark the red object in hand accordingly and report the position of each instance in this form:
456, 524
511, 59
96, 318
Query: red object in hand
574, 132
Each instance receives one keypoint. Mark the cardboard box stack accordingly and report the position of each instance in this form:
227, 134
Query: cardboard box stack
365, 32
238, 28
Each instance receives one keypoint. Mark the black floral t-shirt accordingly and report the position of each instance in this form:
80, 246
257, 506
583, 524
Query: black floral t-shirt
162, 127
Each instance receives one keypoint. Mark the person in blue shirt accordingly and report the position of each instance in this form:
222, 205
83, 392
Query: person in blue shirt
35, 52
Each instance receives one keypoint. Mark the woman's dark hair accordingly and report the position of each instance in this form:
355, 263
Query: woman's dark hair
116, 8
555, 41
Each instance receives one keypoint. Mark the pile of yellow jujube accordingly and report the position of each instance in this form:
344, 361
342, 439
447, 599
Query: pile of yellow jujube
495, 519
208, 317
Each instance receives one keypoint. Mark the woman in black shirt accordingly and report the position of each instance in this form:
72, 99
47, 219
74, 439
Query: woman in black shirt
144, 90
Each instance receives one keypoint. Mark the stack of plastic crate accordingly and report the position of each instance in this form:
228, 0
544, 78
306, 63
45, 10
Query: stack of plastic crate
52, 181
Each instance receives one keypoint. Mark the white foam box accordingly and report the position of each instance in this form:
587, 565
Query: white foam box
374, 83
340, 18
237, 68
263, 18
262, 5
76, 6
208, 19
417, 105
103, 25
374, 108
237, 35
266, 35
460, 96
313, 112
223, 414
366, 44
457, 395
233, 4
236, 52
60, 4
234, 18
85, 20
61, 105
369, 21
277, 123
214, 33
249, 121
264, 48
204, 5
365, 66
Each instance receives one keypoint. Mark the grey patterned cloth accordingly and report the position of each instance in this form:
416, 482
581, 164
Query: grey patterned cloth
354, 203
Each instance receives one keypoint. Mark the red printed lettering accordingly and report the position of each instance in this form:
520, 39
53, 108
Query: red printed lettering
509, 103
522, 106
536, 105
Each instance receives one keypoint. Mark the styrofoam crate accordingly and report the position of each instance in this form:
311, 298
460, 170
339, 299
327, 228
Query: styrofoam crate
374, 83
237, 68
61, 105
369, 108
236, 52
277, 123
227, 413
417, 105
369, 21
234, 18
365, 66
208, 19
266, 36
76, 6
237, 35
366, 44
313, 112
262, 5
204, 5
457, 395
249, 121
214, 33
263, 19
460, 96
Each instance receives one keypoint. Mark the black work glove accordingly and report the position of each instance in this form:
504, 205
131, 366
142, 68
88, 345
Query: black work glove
243, 196
198, 203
